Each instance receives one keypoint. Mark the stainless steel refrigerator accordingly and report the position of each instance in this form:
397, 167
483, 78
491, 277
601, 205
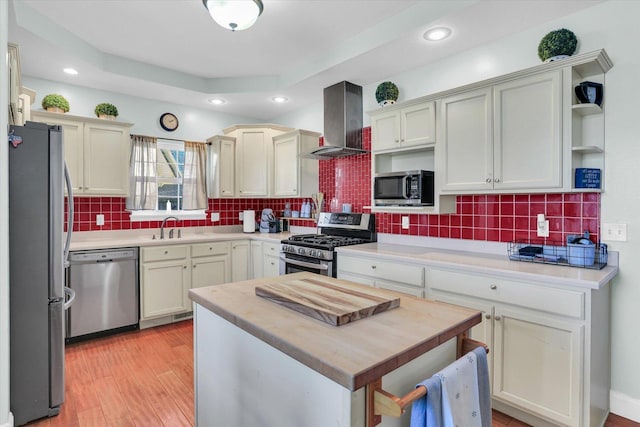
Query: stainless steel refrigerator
37, 251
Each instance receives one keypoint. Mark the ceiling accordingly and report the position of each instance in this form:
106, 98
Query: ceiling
171, 50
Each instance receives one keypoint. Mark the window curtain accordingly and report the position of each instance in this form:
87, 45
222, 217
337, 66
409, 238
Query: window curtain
143, 190
194, 194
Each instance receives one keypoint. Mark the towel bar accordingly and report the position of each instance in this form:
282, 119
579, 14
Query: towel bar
385, 403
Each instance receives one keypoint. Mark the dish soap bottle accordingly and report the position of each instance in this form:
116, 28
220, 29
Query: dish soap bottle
287, 210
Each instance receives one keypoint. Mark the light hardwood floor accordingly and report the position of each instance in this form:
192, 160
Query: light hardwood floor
145, 378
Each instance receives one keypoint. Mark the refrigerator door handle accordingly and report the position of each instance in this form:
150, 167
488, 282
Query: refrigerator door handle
68, 292
67, 180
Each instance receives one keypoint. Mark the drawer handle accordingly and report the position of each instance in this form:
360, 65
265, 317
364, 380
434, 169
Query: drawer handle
373, 266
497, 180
194, 266
493, 287
488, 180
487, 316
498, 318
166, 252
184, 266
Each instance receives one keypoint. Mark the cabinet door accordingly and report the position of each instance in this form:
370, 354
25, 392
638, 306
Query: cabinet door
528, 134
270, 266
285, 158
538, 364
227, 167
385, 131
417, 124
106, 159
239, 261
207, 271
164, 288
256, 260
252, 162
467, 149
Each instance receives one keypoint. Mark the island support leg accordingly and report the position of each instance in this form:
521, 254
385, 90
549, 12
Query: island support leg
372, 419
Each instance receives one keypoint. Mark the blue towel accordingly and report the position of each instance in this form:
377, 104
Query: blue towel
483, 386
427, 411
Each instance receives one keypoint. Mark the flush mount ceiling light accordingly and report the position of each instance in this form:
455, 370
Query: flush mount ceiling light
437, 34
279, 99
217, 101
71, 71
234, 15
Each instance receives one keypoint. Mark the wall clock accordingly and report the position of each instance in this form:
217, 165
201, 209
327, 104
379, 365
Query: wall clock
169, 122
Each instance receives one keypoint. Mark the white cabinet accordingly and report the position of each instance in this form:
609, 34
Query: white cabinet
210, 264
504, 137
265, 259
165, 278
221, 169
295, 176
411, 125
240, 256
96, 152
395, 276
540, 337
254, 168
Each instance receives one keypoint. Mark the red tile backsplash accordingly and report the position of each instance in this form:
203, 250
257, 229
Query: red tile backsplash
502, 218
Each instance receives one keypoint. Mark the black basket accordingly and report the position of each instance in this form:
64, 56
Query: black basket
584, 254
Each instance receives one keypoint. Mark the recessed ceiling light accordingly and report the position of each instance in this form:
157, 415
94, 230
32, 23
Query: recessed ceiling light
71, 71
279, 99
437, 34
217, 101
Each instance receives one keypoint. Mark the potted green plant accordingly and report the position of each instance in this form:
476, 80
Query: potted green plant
55, 103
557, 44
106, 111
387, 93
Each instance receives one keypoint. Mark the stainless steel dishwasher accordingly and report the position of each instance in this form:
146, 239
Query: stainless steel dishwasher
107, 294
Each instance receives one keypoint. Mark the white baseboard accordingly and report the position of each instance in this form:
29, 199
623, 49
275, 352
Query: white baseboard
625, 406
9, 422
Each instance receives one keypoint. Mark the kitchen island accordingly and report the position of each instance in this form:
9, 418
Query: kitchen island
260, 363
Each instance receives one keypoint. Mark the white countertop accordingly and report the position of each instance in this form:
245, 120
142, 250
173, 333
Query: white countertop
144, 237
493, 264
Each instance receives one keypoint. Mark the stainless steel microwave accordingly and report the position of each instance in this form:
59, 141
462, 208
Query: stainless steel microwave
410, 188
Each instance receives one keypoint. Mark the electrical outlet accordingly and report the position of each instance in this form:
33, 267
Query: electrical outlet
215, 216
405, 222
615, 232
240, 215
543, 226
100, 219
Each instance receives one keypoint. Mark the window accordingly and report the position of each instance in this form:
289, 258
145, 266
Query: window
167, 178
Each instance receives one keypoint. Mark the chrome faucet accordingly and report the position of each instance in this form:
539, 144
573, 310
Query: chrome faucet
164, 221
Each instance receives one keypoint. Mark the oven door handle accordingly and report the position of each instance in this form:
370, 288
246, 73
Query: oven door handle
304, 264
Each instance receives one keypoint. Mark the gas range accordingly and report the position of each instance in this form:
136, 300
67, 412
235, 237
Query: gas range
316, 252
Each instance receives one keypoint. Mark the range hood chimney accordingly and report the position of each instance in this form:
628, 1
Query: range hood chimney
342, 122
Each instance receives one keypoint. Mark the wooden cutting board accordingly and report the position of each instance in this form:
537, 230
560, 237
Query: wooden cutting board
332, 304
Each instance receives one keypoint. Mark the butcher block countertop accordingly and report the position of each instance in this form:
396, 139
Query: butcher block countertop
353, 354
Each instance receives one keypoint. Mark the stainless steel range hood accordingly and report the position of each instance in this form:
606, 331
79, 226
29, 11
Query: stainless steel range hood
342, 122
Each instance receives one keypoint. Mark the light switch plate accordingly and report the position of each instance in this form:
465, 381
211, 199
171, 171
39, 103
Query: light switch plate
405, 222
215, 216
614, 232
100, 219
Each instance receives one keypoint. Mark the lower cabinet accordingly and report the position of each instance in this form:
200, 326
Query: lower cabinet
539, 348
265, 259
168, 272
394, 276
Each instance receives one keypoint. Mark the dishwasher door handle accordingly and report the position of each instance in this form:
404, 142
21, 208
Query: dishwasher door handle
72, 296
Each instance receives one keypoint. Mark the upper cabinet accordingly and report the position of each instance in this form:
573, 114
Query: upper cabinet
408, 126
96, 152
221, 159
295, 176
504, 137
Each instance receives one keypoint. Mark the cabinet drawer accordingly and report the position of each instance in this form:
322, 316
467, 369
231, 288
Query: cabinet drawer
207, 249
405, 273
270, 249
559, 301
163, 253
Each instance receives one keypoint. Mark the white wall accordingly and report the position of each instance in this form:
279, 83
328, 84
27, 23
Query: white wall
6, 419
612, 25
195, 124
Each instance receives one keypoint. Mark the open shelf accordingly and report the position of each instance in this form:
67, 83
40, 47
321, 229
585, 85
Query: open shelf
587, 149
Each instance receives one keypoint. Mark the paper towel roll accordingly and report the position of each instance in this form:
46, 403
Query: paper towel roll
249, 221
